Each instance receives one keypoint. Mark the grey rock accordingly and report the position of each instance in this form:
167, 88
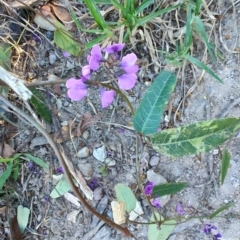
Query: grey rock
86, 169
85, 134
84, 152
97, 193
154, 160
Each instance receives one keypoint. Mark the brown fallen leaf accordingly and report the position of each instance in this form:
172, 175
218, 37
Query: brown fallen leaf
8, 151
87, 121
61, 13
2, 209
64, 136
15, 230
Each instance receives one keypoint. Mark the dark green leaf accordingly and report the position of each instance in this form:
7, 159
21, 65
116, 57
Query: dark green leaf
143, 5
65, 40
149, 114
225, 164
195, 138
124, 194
6, 174
40, 105
225, 207
5, 55
168, 188
36, 160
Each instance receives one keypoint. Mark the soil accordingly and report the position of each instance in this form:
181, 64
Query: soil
59, 218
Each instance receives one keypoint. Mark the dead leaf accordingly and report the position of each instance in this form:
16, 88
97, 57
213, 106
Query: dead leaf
72, 216
8, 151
64, 136
15, 230
46, 10
71, 198
86, 122
61, 13
2, 209
57, 89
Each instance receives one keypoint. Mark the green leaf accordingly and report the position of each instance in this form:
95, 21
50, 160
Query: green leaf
40, 105
65, 41
225, 207
224, 164
143, 5
6, 174
15, 172
201, 65
124, 194
150, 111
168, 188
36, 160
5, 55
22, 217
188, 37
96, 40
160, 234
194, 138
62, 187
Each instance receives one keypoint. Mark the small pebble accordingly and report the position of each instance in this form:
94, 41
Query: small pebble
98, 193
86, 169
52, 58
85, 134
154, 160
110, 162
100, 153
84, 152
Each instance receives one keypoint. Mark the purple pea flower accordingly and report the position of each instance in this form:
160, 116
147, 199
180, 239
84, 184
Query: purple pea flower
77, 89
86, 72
127, 80
149, 188
93, 184
95, 58
156, 203
66, 54
114, 48
211, 229
60, 170
107, 97
179, 209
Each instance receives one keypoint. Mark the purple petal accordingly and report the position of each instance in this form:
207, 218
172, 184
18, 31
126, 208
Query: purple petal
94, 63
114, 48
128, 63
107, 97
86, 72
127, 81
156, 203
96, 52
60, 170
148, 188
66, 54
179, 209
76, 89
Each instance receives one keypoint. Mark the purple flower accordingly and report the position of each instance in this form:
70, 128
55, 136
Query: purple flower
31, 166
127, 81
217, 236
95, 58
66, 54
128, 63
36, 38
86, 72
93, 184
114, 48
60, 170
156, 203
107, 97
179, 209
77, 89
211, 229
149, 188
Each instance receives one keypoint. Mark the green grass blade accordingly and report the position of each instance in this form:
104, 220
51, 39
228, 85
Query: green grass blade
39, 104
92, 6
201, 65
168, 188
199, 28
149, 114
6, 174
143, 5
119, 6
224, 164
144, 20
36, 160
195, 138
198, 7
95, 41
225, 207
188, 37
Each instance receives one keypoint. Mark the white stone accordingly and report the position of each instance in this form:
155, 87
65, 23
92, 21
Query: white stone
154, 160
100, 153
110, 162
84, 152
136, 212
85, 134
86, 169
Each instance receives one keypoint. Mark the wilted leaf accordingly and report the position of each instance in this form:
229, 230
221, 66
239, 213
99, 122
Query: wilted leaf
124, 194
22, 217
118, 212
148, 116
15, 230
40, 105
194, 138
224, 164
160, 234
36, 160
61, 13
6, 174
7, 150
168, 188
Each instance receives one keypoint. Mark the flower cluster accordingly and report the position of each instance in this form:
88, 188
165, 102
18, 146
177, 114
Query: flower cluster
211, 229
125, 70
148, 192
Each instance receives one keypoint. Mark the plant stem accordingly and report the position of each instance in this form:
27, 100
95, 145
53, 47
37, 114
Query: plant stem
124, 230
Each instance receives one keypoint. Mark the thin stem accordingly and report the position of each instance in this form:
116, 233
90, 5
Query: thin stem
124, 230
